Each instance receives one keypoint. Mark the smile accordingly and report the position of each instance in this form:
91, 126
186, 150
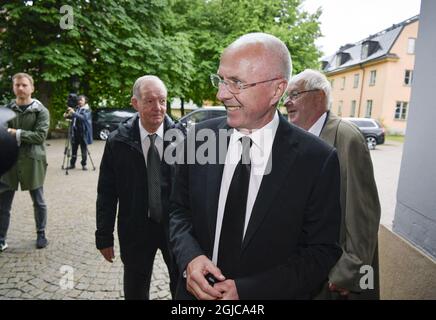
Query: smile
233, 108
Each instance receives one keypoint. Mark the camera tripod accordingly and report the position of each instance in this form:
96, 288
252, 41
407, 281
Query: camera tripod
67, 151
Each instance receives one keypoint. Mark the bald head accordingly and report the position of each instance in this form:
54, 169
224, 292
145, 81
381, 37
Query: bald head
269, 48
147, 80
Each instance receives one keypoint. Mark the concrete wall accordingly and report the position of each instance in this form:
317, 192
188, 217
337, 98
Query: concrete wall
415, 214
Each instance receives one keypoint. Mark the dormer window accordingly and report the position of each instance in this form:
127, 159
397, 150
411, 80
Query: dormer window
342, 57
369, 47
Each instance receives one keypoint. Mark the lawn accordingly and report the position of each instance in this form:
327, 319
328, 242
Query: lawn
397, 138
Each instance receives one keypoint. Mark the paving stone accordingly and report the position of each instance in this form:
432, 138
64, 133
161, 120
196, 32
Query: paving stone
71, 257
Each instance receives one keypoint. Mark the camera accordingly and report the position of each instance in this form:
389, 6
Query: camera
72, 100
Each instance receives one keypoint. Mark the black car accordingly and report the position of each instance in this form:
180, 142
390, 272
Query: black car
202, 114
372, 130
106, 120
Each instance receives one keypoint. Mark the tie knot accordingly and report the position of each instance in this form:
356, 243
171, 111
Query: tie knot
152, 137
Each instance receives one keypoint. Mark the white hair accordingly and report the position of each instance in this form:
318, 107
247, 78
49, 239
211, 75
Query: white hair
273, 45
311, 80
140, 81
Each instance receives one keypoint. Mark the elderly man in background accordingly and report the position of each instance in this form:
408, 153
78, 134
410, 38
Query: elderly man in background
308, 98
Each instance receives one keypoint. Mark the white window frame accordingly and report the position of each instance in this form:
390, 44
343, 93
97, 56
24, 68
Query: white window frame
411, 44
356, 80
369, 106
403, 107
408, 78
353, 109
373, 77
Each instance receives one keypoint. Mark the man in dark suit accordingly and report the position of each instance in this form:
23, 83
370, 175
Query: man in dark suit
261, 220
134, 177
307, 103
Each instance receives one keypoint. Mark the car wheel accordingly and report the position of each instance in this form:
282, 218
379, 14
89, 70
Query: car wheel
372, 142
104, 134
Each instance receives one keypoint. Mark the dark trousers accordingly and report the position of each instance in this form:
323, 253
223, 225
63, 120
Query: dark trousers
39, 206
77, 141
137, 277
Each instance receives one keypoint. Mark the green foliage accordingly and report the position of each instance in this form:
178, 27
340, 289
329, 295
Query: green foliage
114, 42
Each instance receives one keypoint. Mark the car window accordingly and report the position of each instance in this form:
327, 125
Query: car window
217, 113
116, 115
363, 123
198, 116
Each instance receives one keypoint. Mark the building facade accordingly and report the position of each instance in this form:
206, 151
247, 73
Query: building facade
372, 78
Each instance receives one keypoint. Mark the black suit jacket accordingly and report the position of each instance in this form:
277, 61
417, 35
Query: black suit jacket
291, 239
123, 183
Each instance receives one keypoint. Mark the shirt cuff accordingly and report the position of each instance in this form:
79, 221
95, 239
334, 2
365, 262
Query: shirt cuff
18, 136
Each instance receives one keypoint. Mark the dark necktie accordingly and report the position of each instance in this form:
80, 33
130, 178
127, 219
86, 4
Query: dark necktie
154, 181
232, 229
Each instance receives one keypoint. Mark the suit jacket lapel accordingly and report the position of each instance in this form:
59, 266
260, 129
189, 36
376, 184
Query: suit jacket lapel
283, 154
328, 133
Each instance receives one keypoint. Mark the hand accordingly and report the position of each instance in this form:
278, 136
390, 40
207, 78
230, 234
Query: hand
196, 282
228, 289
12, 131
334, 288
108, 254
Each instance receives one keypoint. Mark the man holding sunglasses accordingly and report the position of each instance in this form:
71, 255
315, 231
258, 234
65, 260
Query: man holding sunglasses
263, 221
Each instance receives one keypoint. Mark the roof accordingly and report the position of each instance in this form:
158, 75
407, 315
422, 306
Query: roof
385, 40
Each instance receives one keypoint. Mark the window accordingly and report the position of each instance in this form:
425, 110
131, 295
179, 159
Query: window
343, 83
408, 77
372, 78
353, 108
332, 82
365, 49
341, 103
368, 109
401, 110
411, 46
356, 80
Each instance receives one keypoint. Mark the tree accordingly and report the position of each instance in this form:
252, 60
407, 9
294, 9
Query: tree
214, 24
112, 42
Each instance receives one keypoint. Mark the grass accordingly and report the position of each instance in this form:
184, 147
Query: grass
397, 138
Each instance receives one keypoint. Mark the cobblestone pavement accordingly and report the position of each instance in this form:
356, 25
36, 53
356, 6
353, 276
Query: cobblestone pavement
70, 267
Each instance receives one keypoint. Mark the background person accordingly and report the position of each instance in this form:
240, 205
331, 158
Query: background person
136, 182
81, 130
29, 128
307, 104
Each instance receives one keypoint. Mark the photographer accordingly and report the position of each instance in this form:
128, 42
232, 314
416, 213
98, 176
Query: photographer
81, 127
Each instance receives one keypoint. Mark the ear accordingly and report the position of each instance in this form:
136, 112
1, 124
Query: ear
280, 90
134, 102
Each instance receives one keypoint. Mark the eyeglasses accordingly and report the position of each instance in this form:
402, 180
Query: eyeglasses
234, 86
295, 94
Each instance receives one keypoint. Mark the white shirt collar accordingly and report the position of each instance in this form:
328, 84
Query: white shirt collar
144, 133
258, 135
317, 126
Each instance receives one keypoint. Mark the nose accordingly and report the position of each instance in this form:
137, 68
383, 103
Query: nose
288, 102
223, 93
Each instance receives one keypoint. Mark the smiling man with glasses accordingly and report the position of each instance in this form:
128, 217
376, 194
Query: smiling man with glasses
236, 231
359, 198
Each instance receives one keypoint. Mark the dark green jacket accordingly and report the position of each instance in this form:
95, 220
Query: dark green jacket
30, 169
360, 207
